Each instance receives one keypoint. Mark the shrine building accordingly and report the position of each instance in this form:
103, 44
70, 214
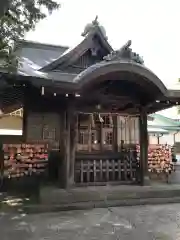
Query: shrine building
89, 104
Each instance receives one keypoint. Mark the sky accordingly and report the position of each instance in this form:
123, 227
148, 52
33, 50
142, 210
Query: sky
152, 25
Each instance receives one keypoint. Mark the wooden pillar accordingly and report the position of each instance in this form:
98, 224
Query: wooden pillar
73, 144
101, 138
144, 178
89, 135
1, 161
66, 151
69, 126
25, 113
115, 133
62, 166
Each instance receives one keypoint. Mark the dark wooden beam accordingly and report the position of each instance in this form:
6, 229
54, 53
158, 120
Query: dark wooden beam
107, 97
89, 109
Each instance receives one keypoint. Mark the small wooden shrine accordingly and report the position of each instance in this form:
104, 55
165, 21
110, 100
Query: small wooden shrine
90, 105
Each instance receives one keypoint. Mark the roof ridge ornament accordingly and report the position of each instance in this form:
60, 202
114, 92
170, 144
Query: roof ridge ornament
95, 21
125, 52
90, 27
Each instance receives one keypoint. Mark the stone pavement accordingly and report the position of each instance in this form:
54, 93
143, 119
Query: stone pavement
161, 222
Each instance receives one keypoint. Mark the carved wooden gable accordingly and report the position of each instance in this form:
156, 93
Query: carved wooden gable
86, 55
84, 61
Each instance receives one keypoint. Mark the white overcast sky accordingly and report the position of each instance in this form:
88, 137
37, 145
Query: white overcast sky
152, 25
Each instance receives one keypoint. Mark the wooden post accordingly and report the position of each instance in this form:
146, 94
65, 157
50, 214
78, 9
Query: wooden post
62, 165
89, 135
101, 136
69, 128
64, 149
115, 133
67, 148
25, 114
73, 143
1, 161
143, 148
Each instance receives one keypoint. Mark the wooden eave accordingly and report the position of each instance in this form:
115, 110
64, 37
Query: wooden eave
11, 101
174, 94
14, 98
171, 99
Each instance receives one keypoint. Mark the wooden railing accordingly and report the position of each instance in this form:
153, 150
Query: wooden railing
93, 168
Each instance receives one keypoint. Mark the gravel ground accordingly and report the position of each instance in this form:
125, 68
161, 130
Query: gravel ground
141, 222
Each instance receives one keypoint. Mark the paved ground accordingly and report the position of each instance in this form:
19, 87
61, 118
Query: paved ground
142, 222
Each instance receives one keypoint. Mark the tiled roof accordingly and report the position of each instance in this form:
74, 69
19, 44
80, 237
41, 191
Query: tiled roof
166, 123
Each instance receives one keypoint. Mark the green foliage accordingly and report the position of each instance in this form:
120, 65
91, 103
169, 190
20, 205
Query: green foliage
20, 17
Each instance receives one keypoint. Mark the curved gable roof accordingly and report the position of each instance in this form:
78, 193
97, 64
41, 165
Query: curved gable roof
114, 69
74, 53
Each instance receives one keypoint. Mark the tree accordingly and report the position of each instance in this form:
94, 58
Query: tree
16, 18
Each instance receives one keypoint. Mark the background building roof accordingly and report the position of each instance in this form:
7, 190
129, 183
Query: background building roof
159, 121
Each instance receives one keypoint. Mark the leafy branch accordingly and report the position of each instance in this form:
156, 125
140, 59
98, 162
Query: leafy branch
19, 16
